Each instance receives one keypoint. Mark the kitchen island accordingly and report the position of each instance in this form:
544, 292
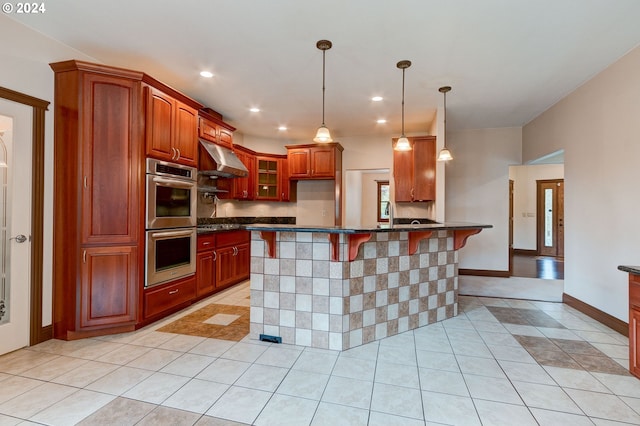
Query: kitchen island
337, 288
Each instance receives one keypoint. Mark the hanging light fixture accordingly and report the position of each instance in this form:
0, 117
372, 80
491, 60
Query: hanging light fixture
323, 135
403, 144
445, 154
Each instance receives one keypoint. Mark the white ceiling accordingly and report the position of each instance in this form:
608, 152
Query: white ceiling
507, 60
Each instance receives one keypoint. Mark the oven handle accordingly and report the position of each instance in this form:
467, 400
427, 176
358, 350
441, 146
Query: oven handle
171, 234
174, 183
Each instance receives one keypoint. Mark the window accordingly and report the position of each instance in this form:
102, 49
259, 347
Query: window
384, 204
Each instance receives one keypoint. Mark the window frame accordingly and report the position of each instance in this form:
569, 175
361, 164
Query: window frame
379, 217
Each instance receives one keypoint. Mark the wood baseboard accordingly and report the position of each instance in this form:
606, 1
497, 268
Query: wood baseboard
598, 315
484, 273
524, 252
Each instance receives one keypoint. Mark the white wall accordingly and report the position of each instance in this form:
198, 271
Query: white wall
525, 200
598, 126
477, 188
25, 57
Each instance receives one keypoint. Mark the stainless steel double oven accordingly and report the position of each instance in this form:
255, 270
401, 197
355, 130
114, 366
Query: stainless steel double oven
171, 211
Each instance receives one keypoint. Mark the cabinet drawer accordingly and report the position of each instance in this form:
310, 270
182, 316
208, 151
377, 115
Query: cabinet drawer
206, 242
165, 297
231, 238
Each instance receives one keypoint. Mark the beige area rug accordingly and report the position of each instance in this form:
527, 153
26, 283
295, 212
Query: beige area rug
511, 288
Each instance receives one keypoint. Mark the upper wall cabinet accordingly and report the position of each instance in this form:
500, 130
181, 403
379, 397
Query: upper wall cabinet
244, 188
414, 172
314, 161
212, 128
171, 127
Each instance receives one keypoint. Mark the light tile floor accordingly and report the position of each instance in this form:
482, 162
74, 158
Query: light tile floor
500, 362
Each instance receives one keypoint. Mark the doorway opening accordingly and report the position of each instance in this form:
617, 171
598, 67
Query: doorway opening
530, 255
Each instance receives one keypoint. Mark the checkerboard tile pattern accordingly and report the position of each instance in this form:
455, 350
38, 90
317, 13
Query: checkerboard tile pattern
309, 300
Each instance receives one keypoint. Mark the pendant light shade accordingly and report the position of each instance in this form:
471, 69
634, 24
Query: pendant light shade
402, 144
445, 154
323, 135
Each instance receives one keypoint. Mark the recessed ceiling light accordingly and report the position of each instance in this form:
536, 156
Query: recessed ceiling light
206, 74
282, 128
381, 121
376, 98
254, 109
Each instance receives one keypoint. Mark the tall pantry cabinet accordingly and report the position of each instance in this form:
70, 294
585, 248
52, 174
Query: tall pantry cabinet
98, 180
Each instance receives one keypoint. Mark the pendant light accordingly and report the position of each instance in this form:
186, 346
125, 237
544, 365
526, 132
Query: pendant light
445, 154
403, 144
323, 135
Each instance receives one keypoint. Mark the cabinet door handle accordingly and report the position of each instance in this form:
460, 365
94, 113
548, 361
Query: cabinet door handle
215, 256
85, 182
178, 154
206, 243
235, 251
173, 153
84, 256
412, 193
174, 291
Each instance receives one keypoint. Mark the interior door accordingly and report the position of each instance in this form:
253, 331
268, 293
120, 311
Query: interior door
550, 206
15, 224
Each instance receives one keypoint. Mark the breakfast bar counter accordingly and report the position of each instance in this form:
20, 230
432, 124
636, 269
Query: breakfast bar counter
338, 288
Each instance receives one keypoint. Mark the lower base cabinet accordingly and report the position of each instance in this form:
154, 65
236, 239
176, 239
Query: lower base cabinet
634, 324
108, 287
165, 297
206, 273
223, 260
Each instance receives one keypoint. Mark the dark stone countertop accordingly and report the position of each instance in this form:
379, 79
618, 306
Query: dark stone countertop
635, 270
208, 225
447, 226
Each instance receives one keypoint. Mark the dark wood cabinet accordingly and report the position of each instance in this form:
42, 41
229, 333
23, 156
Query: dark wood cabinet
212, 128
314, 161
233, 249
244, 188
223, 260
268, 178
414, 172
287, 186
206, 265
160, 300
98, 206
634, 324
225, 137
109, 286
171, 128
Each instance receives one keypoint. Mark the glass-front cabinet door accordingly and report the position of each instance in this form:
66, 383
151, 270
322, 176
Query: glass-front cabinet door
267, 178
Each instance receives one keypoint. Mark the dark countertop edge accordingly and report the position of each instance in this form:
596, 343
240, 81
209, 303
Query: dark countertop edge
200, 231
357, 230
635, 270
247, 220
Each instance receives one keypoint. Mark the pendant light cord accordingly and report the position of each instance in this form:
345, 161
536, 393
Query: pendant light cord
323, 68
403, 102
